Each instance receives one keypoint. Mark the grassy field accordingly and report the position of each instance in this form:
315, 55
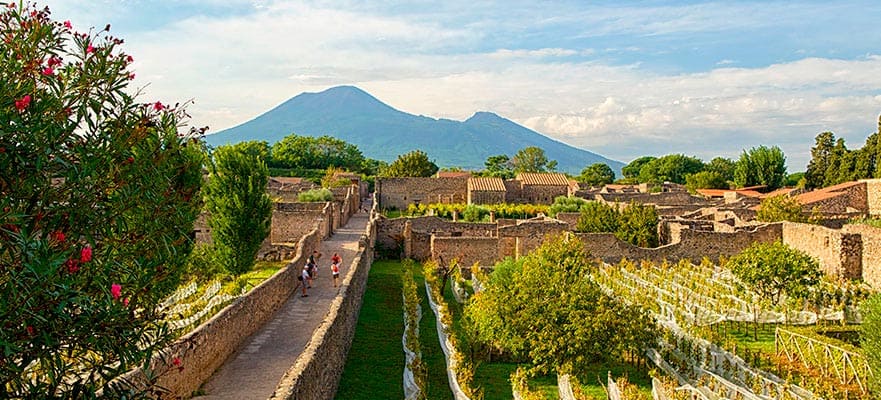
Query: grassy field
432, 355
375, 365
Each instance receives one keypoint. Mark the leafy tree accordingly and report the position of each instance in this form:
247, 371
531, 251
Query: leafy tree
597, 174
870, 336
761, 166
632, 170
722, 166
795, 179
544, 308
670, 168
257, 149
315, 195
306, 152
98, 194
414, 163
638, 224
239, 207
330, 180
371, 167
499, 166
821, 159
775, 269
532, 159
705, 180
597, 217
781, 208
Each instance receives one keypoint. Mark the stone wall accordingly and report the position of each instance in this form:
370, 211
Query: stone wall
208, 346
398, 193
527, 236
485, 197
659, 199
467, 250
693, 245
873, 196
290, 221
871, 254
839, 252
201, 230
317, 371
570, 218
393, 234
540, 194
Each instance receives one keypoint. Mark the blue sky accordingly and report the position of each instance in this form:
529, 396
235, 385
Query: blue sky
623, 79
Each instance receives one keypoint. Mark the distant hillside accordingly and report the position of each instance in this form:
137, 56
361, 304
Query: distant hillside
383, 133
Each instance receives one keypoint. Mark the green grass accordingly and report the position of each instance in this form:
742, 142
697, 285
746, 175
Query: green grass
493, 378
546, 385
375, 363
432, 355
591, 379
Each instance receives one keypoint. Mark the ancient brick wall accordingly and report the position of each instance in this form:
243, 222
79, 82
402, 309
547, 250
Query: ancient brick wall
873, 196
466, 250
206, 348
398, 193
417, 245
513, 191
528, 235
570, 218
479, 197
871, 254
839, 252
290, 221
540, 194
201, 230
659, 199
317, 371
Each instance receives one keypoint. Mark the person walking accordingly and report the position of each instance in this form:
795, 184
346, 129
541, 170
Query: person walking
313, 262
304, 279
335, 267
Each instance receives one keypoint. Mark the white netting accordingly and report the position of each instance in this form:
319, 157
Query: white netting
564, 387
447, 346
412, 390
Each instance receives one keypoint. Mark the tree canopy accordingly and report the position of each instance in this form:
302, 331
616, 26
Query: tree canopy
632, 169
307, 152
532, 159
499, 166
781, 208
832, 163
775, 269
705, 180
414, 163
670, 168
761, 166
636, 223
597, 174
544, 308
870, 336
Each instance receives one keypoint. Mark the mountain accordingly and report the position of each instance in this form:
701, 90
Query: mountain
384, 133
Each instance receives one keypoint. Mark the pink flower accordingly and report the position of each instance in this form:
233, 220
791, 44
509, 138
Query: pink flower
158, 106
116, 291
30, 330
176, 362
90, 49
68, 25
131, 76
58, 236
130, 59
86, 254
48, 71
22, 104
125, 301
53, 61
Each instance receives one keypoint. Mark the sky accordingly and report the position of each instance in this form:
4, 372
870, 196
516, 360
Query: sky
622, 79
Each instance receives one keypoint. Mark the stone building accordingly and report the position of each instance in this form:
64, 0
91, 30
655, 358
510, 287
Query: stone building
399, 193
486, 190
542, 188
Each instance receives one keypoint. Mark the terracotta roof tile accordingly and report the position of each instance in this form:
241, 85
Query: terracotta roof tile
486, 184
543, 179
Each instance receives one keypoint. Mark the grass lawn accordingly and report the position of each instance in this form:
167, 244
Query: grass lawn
375, 365
593, 380
432, 355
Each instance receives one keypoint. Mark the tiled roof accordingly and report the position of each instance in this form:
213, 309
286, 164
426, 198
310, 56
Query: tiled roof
826, 193
539, 179
453, 174
486, 184
721, 192
779, 192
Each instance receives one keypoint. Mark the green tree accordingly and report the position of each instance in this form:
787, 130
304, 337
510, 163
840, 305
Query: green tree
239, 208
781, 208
761, 166
722, 166
638, 225
670, 168
306, 152
632, 170
532, 159
597, 217
499, 166
795, 179
414, 163
597, 174
774, 269
821, 159
99, 195
545, 309
870, 336
566, 204
705, 180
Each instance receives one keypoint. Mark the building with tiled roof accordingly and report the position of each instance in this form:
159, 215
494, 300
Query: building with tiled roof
486, 190
541, 188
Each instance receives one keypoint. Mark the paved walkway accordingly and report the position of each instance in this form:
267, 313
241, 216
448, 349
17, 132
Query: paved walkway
255, 370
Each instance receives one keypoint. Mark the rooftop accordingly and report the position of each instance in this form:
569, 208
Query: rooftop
543, 179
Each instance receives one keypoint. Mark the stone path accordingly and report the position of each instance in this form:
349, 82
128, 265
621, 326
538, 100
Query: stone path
255, 370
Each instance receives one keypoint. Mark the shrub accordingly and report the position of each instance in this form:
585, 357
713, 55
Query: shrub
871, 338
99, 195
315, 195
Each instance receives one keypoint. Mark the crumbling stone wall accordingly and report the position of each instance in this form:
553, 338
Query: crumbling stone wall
871, 254
540, 194
679, 198
201, 230
399, 193
839, 252
467, 250
873, 196
290, 221
414, 241
528, 235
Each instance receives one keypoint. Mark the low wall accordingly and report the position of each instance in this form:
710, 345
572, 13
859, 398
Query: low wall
317, 371
839, 252
871, 255
693, 245
207, 347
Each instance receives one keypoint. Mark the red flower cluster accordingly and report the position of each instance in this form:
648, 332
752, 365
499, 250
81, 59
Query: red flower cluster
22, 104
48, 71
158, 106
53, 61
116, 291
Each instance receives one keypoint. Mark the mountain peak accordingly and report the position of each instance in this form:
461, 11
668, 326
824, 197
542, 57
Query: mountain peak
349, 98
484, 116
